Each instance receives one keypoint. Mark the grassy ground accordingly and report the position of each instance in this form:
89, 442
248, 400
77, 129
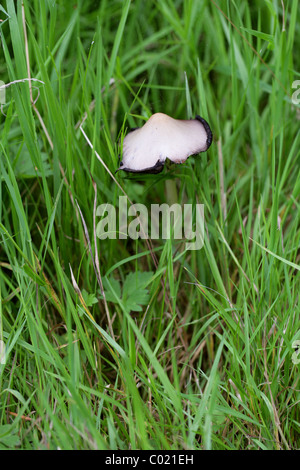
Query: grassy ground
124, 344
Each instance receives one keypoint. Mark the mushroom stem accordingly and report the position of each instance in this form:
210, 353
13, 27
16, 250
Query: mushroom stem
171, 191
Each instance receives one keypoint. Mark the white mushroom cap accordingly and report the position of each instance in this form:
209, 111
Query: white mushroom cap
146, 149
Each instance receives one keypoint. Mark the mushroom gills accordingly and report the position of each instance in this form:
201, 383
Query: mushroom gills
146, 149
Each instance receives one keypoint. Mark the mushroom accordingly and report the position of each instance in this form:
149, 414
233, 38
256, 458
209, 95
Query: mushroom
146, 149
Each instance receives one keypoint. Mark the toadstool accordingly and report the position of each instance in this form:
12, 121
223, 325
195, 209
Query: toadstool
146, 149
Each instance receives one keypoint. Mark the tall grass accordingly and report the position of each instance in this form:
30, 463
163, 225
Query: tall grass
124, 344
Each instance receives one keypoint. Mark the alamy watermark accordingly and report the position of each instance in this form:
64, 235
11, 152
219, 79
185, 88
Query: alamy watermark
2, 352
2, 94
296, 354
296, 94
163, 221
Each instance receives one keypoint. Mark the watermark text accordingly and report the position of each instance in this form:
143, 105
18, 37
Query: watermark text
165, 222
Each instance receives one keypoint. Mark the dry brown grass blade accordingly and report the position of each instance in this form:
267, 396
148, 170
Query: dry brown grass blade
78, 292
50, 291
